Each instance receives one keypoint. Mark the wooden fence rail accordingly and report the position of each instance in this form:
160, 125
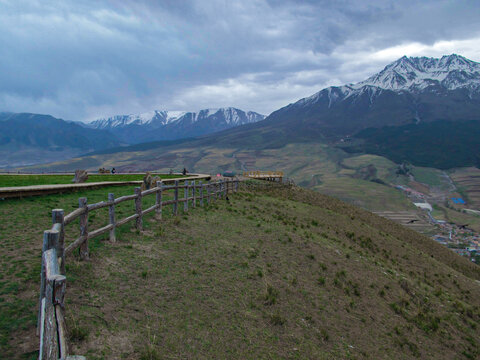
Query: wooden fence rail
51, 311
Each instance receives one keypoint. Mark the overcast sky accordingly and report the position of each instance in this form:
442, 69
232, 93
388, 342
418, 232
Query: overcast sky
81, 60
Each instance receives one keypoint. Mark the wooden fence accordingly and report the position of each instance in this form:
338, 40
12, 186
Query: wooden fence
51, 314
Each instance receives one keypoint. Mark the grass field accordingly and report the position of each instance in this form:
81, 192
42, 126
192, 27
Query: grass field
21, 231
272, 274
7, 180
429, 176
312, 165
366, 194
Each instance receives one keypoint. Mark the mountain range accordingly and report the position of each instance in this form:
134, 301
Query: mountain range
171, 125
27, 139
436, 100
409, 90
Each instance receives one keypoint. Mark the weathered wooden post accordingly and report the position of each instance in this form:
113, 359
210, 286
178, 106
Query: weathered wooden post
82, 203
175, 197
57, 218
138, 208
186, 193
111, 215
50, 241
208, 192
158, 200
59, 296
194, 192
48, 331
53, 332
200, 186
236, 185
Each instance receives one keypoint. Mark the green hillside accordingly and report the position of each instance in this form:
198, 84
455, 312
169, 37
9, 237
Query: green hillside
280, 273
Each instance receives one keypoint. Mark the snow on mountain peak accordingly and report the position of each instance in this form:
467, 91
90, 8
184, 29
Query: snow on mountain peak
231, 116
416, 73
407, 74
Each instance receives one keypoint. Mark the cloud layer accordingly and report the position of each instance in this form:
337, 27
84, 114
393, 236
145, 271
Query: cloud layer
81, 60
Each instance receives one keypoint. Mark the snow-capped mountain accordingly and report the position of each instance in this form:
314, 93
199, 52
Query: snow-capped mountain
412, 75
417, 73
411, 89
156, 117
169, 125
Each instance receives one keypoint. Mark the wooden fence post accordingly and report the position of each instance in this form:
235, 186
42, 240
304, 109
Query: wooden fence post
175, 204
208, 192
194, 192
57, 218
158, 200
200, 185
111, 215
236, 185
138, 209
82, 202
186, 193
49, 338
50, 241
52, 345
59, 296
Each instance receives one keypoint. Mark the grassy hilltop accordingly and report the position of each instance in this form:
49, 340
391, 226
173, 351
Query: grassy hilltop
280, 273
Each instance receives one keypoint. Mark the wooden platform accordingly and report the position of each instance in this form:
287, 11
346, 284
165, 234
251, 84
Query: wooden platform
24, 191
264, 175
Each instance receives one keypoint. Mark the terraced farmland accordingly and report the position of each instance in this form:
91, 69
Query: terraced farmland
468, 181
410, 219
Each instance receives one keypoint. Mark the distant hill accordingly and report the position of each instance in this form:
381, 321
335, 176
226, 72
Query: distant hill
171, 125
441, 144
31, 138
28, 139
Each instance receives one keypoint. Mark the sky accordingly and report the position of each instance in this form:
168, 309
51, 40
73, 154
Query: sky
84, 60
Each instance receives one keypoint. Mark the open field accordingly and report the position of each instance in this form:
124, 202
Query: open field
366, 194
272, 274
468, 181
7, 180
429, 176
364, 180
